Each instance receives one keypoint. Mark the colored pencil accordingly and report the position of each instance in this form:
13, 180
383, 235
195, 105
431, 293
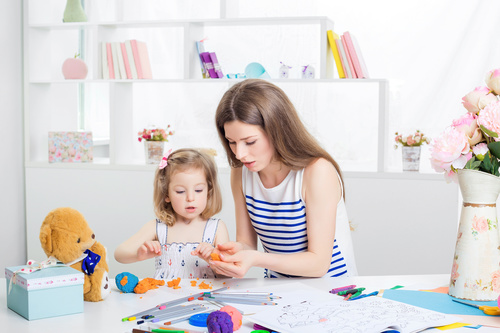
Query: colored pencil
170, 303
173, 315
240, 300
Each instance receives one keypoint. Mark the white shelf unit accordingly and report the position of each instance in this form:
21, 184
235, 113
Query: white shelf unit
118, 106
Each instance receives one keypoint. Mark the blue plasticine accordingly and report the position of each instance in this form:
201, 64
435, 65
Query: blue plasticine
132, 281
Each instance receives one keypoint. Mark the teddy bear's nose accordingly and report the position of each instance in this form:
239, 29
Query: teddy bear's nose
93, 236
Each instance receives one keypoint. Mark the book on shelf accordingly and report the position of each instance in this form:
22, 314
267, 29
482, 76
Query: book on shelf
343, 57
348, 56
121, 65
200, 47
111, 69
356, 57
217, 68
137, 61
332, 39
104, 61
144, 60
116, 65
126, 63
209, 66
131, 62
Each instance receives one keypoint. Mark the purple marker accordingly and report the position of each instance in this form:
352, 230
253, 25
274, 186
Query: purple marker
337, 290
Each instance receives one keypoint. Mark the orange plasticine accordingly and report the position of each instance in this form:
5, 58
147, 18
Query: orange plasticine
193, 283
203, 285
124, 280
147, 284
215, 256
174, 283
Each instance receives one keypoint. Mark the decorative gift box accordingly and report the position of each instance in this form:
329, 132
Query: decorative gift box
49, 292
70, 147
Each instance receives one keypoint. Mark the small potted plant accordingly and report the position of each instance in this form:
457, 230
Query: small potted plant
154, 143
411, 149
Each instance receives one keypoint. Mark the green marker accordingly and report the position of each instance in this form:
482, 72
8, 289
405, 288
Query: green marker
159, 330
350, 291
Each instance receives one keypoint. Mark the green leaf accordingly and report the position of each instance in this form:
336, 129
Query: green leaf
494, 148
488, 132
472, 164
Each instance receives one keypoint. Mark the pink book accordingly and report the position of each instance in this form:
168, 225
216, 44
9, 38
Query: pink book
125, 61
348, 56
354, 56
144, 58
215, 62
137, 60
110, 61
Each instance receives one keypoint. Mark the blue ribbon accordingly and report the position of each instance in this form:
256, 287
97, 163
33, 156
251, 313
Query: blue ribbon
90, 261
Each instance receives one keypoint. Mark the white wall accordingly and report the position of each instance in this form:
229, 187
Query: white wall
12, 237
404, 223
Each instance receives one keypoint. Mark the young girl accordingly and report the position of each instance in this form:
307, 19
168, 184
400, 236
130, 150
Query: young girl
186, 195
287, 190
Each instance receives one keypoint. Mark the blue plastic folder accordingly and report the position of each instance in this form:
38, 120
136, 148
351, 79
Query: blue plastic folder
435, 301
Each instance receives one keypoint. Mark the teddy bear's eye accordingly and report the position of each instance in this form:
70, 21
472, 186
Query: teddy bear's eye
93, 236
78, 241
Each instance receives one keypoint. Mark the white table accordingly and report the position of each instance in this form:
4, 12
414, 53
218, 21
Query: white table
106, 316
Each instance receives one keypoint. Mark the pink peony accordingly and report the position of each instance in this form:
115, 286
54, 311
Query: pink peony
493, 80
480, 224
446, 148
480, 149
489, 117
467, 124
462, 160
495, 281
478, 99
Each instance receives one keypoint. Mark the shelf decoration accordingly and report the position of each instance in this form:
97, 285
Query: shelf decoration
411, 146
70, 147
254, 70
74, 12
154, 143
74, 68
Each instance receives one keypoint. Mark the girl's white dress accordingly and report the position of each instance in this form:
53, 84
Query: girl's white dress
176, 259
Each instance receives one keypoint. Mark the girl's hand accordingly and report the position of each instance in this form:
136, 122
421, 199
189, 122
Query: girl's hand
149, 249
203, 251
236, 265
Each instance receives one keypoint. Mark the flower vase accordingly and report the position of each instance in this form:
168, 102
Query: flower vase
411, 158
74, 12
154, 151
475, 272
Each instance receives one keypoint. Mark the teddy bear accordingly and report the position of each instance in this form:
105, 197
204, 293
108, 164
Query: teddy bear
66, 236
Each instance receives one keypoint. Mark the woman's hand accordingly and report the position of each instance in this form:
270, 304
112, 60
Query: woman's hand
203, 251
234, 265
149, 249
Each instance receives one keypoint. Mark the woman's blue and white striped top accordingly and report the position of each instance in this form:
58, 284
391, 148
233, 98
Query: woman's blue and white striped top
278, 216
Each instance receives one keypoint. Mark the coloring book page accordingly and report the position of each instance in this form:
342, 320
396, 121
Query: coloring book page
306, 309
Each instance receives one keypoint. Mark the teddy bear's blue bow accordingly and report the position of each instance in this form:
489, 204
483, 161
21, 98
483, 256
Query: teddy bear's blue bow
89, 262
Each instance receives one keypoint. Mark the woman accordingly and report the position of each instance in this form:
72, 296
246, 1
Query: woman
287, 190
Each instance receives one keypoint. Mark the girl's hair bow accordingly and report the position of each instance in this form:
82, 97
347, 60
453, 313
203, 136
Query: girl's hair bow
164, 160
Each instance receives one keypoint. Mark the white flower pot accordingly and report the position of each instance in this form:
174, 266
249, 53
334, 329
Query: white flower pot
411, 158
153, 151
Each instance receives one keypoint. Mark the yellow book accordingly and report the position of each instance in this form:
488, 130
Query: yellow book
336, 55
